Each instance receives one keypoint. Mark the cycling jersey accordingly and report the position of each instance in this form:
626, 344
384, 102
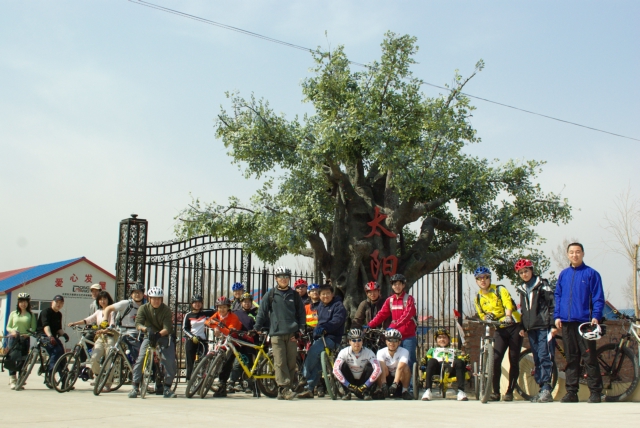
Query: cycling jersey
402, 314
126, 312
401, 356
193, 323
356, 363
441, 353
231, 321
490, 303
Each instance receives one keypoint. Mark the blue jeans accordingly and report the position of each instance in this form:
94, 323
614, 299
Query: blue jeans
312, 364
543, 355
55, 352
411, 344
168, 351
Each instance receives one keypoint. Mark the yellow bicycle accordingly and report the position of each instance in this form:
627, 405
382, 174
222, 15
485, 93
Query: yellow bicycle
444, 379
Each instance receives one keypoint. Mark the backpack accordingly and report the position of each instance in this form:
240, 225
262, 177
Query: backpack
123, 316
405, 300
14, 359
497, 291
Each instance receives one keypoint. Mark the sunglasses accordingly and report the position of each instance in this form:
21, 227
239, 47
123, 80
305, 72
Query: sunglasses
482, 277
393, 340
356, 340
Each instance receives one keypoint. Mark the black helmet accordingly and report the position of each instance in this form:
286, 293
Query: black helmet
398, 277
138, 286
196, 298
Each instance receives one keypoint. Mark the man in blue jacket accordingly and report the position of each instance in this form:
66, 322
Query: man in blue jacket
331, 318
579, 299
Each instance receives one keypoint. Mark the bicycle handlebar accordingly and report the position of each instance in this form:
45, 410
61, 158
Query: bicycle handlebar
625, 316
491, 323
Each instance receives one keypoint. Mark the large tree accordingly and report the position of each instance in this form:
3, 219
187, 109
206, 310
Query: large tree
375, 146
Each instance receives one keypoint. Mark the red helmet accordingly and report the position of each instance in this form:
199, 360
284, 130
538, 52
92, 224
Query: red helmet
371, 286
300, 282
222, 300
523, 263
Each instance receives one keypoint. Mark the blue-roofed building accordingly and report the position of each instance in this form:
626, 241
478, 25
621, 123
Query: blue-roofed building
68, 278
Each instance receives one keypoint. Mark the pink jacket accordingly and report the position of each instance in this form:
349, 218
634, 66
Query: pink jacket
402, 317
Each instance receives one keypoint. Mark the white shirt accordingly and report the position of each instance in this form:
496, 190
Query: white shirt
129, 321
401, 356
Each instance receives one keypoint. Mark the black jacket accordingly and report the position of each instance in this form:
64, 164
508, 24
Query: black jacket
537, 307
282, 312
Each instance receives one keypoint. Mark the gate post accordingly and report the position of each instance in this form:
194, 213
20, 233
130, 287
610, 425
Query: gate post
264, 283
131, 255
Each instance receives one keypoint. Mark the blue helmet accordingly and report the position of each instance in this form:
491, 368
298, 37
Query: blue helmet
312, 287
482, 270
237, 286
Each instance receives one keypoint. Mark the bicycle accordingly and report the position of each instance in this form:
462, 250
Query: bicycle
327, 359
37, 352
483, 370
117, 367
444, 380
201, 369
152, 358
72, 365
374, 339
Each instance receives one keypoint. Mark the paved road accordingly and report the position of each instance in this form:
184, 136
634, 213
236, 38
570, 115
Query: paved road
37, 406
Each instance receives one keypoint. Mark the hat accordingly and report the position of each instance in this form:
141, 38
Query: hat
58, 297
95, 287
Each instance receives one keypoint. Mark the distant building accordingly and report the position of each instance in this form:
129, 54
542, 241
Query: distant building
69, 278
610, 315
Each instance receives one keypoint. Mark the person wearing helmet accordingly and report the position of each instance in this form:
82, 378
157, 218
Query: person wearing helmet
331, 319
20, 322
537, 304
493, 302
282, 313
579, 299
311, 308
369, 308
356, 367
400, 307
125, 317
155, 319
394, 363
50, 325
432, 363
301, 286
195, 335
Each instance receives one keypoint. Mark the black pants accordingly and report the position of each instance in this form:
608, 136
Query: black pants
23, 345
458, 368
503, 338
577, 348
366, 374
190, 351
236, 370
226, 367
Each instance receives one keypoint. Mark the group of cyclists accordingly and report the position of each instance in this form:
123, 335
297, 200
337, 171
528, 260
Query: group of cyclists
286, 313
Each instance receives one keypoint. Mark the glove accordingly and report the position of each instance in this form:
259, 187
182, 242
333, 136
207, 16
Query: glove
156, 337
489, 317
365, 327
298, 334
52, 341
195, 340
318, 331
66, 337
149, 332
508, 320
362, 389
353, 388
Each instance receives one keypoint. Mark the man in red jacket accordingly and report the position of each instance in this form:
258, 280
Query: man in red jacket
401, 307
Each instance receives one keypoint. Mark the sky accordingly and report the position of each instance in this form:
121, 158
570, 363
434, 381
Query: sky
107, 108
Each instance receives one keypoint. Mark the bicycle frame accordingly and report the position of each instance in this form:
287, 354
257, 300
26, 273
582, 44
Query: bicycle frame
261, 355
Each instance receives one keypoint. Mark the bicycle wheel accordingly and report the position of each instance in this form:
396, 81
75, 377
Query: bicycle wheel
329, 378
121, 373
416, 381
197, 376
527, 386
619, 372
486, 373
65, 372
267, 386
105, 372
147, 371
215, 367
25, 371
476, 384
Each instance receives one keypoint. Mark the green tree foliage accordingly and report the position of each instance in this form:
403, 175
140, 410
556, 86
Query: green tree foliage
375, 141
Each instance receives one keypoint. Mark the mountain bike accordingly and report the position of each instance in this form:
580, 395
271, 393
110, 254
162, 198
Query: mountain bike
374, 339
202, 366
152, 364
483, 370
117, 367
327, 359
37, 353
72, 365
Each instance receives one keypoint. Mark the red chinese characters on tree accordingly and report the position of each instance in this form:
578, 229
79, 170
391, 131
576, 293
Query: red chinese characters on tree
389, 265
103, 285
88, 278
74, 278
375, 225
59, 282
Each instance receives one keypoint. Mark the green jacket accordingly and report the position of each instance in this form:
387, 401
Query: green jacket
157, 319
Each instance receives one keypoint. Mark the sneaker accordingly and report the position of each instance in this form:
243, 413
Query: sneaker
494, 397
160, 390
168, 393
133, 393
280, 396
321, 392
378, 395
306, 393
406, 395
393, 388
536, 397
302, 383
508, 396
427, 395
544, 397
230, 389
594, 398
347, 397
570, 397
367, 395
462, 396
385, 389
222, 390
12, 381
288, 394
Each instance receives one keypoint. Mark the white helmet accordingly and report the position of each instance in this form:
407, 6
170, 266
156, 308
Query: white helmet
155, 292
590, 331
283, 271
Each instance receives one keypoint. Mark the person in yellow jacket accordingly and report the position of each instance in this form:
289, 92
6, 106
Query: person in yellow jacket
312, 308
493, 302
